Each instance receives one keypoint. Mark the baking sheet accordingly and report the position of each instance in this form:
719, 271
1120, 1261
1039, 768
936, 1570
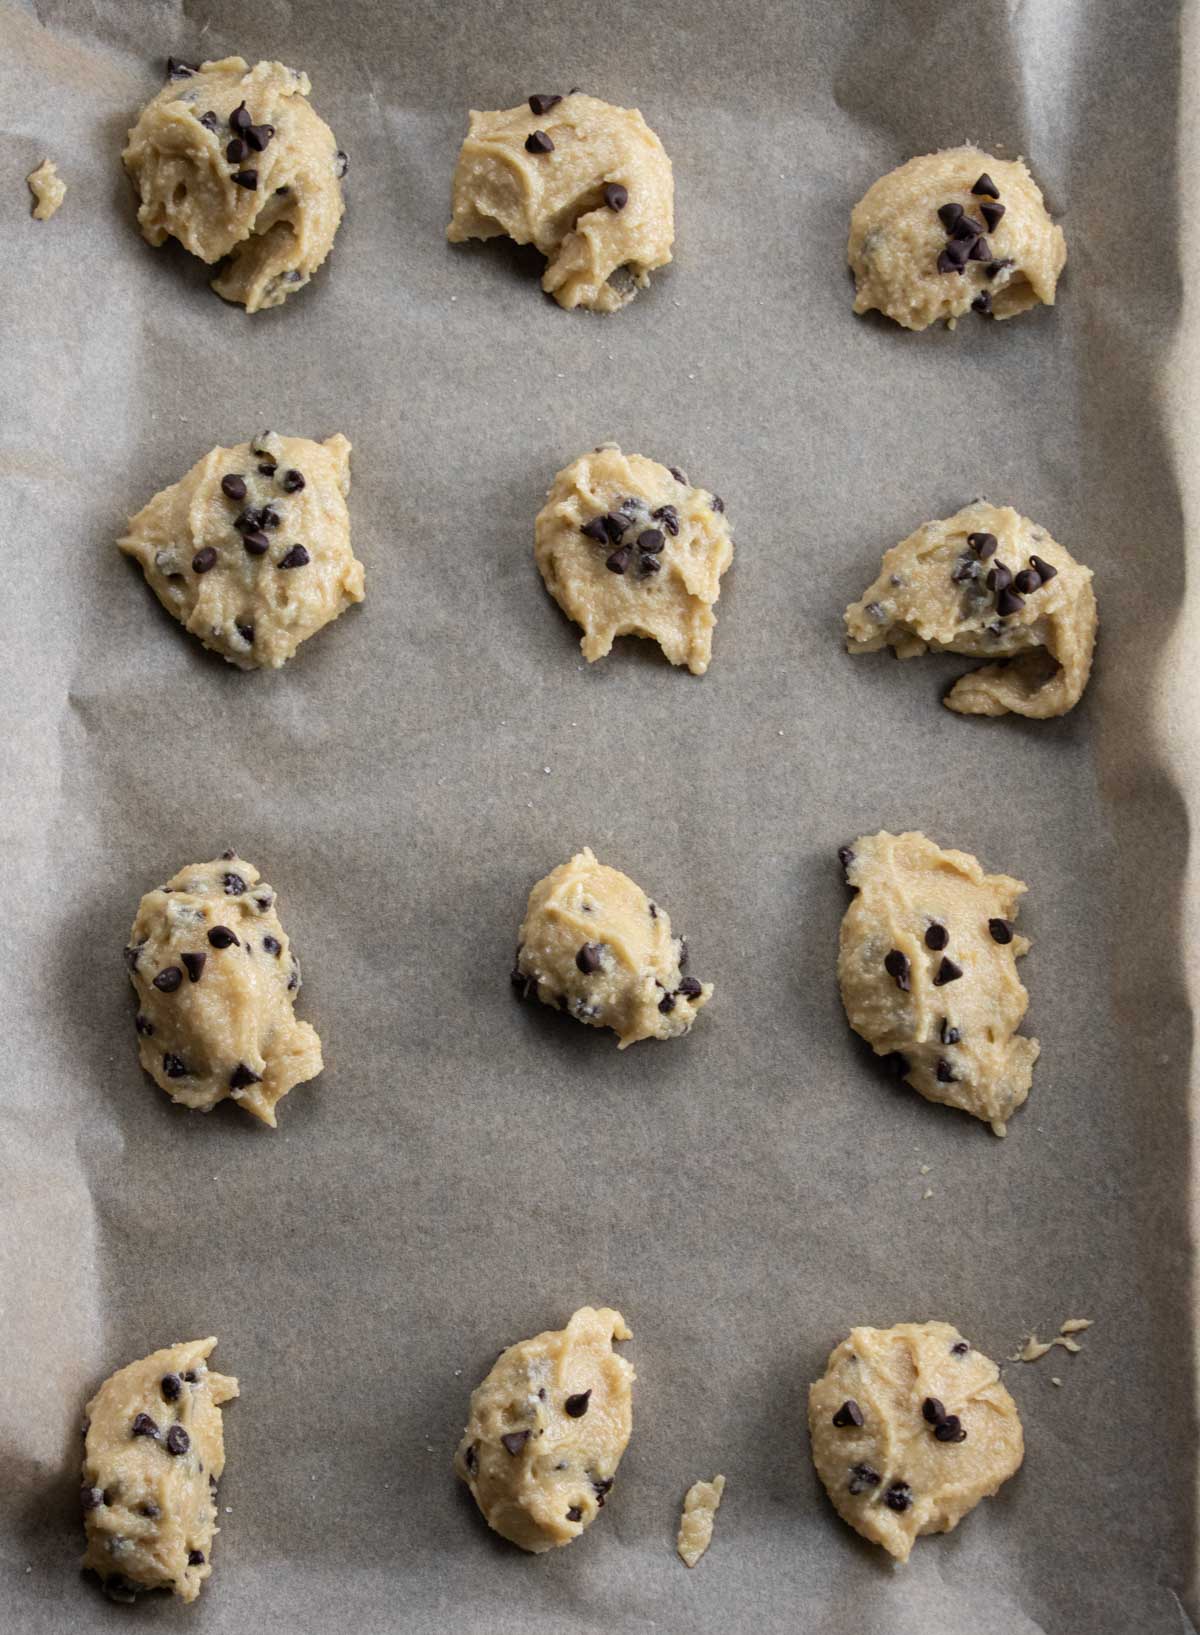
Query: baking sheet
466, 1171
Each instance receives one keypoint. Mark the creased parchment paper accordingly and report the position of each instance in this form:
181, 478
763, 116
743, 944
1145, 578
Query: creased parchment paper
466, 1171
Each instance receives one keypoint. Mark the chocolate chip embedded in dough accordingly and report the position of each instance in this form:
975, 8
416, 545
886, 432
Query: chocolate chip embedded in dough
1008, 602
228, 855
669, 517
143, 1024
588, 959
936, 936
898, 1497
981, 250
982, 304
965, 570
542, 102
514, 1441
173, 1066
947, 971
845, 857
933, 1411
616, 197
995, 268
168, 979
984, 545
246, 632
959, 1348
178, 1441
986, 188
944, 1072
235, 151
195, 1558
896, 965
194, 963
689, 988
848, 1414
950, 1036
239, 119
268, 518
991, 213
1043, 569
178, 69
650, 540
615, 525
650, 906
947, 263
234, 885
966, 227
297, 557
242, 1078
1027, 581
272, 945
575, 1407
292, 482
91, 1498
600, 1486
1001, 930
716, 503
596, 529
999, 578
950, 1430
171, 1385
222, 937
245, 178
679, 476
204, 559
256, 543
648, 565
950, 214
143, 1425
619, 560
574, 1513
471, 1458
667, 1003
684, 955
538, 142
209, 120
862, 1477
233, 486
257, 136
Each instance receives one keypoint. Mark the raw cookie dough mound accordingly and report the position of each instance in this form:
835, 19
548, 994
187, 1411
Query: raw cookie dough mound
594, 944
251, 550
988, 582
152, 1456
232, 161
911, 1428
928, 971
547, 1430
216, 981
950, 232
587, 183
628, 548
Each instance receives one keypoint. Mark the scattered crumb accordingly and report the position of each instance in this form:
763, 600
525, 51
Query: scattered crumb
696, 1524
928, 1193
925, 1168
1075, 1325
1035, 1348
1054, 1380
48, 188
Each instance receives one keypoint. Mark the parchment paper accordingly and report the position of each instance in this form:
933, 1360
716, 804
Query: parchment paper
466, 1171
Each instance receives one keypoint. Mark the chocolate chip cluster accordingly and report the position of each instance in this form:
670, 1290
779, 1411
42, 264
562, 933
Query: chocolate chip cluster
1009, 589
966, 239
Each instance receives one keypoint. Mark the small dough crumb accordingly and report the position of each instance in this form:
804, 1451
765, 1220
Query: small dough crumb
48, 189
547, 1429
696, 1524
1075, 1325
593, 944
627, 547
586, 182
989, 583
1034, 1349
152, 1456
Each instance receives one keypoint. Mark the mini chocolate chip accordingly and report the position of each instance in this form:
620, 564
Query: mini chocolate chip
267, 518
267, 468
690, 988
143, 1024
947, 971
619, 560
863, 1477
950, 1036
898, 1496
256, 543
272, 945
957, 251
588, 958
235, 151
1043, 569
653, 911
945, 1073
1000, 577
259, 135
297, 557
1001, 930
649, 565
150, 1510
194, 964
933, 1410
178, 1440
669, 517
995, 268
209, 120
574, 1513
204, 560
684, 956
845, 856
981, 250
602, 1485
246, 632
173, 1067
896, 965
615, 525
936, 936
190, 1376
234, 885
195, 1558
245, 178
171, 1385
168, 979
233, 486
959, 1348
982, 544
541, 103
991, 213
575, 1407
982, 304
848, 1414
716, 503
471, 1457
616, 197
667, 1003
91, 1498
986, 188
292, 482
1008, 602
950, 1429
514, 1441
538, 142
950, 214
239, 119
651, 540
228, 855
965, 570
143, 1425
222, 937
241, 1077
678, 475
1027, 581
596, 529
131, 958
966, 227
946, 263
178, 69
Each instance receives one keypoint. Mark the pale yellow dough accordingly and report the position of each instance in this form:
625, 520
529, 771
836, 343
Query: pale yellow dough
149, 1493
933, 595
952, 1037
696, 1524
219, 1019
593, 944
547, 1429
598, 256
891, 1477
608, 585
48, 188
282, 566
277, 232
896, 238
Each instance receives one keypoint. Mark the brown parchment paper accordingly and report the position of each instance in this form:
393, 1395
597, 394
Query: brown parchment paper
466, 1171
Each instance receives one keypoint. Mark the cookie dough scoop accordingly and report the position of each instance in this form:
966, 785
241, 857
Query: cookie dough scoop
547, 1429
992, 584
594, 945
954, 232
587, 183
216, 980
927, 966
233, 162
911, 1427
153, 1453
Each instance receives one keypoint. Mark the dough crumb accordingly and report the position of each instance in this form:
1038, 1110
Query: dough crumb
928, 1193
48, 188
1075, 1325
700, 1507
1033, 1349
